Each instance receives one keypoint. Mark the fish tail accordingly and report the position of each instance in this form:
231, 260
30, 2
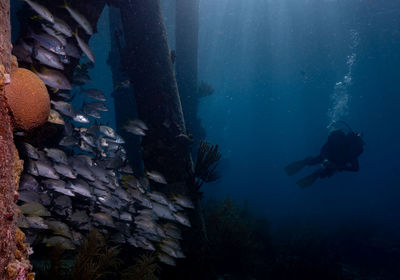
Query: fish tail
65, 5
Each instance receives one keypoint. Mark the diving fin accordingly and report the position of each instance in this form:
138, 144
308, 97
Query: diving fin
295, 167
308, 181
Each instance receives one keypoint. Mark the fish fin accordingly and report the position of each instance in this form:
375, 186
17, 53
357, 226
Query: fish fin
54, 90
75, 33
33, 69
35, 49
35, 17
65, 5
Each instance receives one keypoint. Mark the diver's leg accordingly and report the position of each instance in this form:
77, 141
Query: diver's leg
314, 160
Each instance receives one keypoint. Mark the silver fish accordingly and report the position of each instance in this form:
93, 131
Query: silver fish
48, 42
168, 250
122, 194
58, 228
99, 106
72, 51
85, 48
164, 258
91, 112
80, 187
163, 211
172, 231
53, 33
144, 243
34, 209
63, 202
62, 27
156, 177
28, 183
54, 79
36, 222
82, 169
60, 241
139, 123
65, 59
80, 19
68, 141
28, 196
95, 94
79, 217
107, 131
109, 201
65, 170
55, 118
89, 139
45, 199
125, 216
29, 150
64, 108
182, 219
52, 183
47, 58
158, 197
100, 174
56, 155
46, 170
80, 118
84, 146
183, 201
134, 130
103, 219
41, 10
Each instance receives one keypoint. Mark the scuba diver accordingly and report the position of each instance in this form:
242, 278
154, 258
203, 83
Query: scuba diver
339, 153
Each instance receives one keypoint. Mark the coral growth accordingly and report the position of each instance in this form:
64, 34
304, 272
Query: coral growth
28, 99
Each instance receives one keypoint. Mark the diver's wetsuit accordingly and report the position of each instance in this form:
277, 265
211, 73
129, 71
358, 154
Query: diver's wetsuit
339, 153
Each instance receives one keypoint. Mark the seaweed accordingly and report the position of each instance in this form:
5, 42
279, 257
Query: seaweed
239, 243
96, 259
208, 157
145, 268
54, 268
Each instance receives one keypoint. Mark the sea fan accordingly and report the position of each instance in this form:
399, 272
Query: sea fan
145, 268
95, 259
206, 164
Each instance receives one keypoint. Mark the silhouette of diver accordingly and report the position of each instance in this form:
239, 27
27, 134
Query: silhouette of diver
339, 153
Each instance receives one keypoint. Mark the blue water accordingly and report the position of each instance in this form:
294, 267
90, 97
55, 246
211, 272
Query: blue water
275, 66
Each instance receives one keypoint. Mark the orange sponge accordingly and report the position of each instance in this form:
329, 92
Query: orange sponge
28, 99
